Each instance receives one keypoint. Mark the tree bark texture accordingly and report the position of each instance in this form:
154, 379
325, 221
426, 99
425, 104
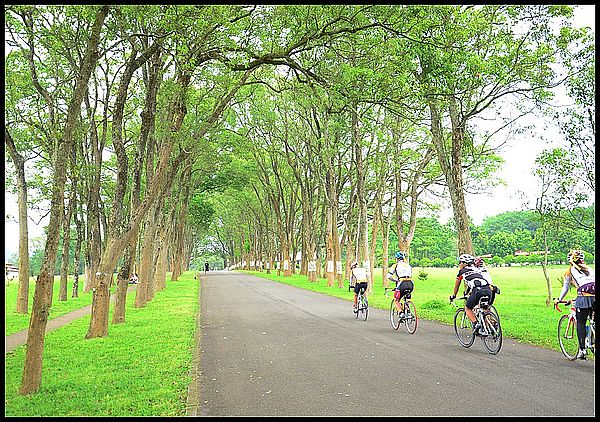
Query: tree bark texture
22, 306
32, 370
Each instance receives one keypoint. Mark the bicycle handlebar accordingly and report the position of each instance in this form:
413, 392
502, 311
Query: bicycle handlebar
454, 304
566, 302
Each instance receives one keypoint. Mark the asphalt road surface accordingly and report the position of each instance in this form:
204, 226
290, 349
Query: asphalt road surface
272, 349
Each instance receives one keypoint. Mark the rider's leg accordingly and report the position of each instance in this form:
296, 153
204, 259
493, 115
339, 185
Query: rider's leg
398, 305
582, 315
471, 315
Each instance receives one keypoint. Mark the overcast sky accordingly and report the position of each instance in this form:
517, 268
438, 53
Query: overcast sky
519, 154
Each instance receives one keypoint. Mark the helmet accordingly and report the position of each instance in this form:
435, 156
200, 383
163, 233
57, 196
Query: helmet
399, 255
354, 264
466, 259
478, 261
575, 256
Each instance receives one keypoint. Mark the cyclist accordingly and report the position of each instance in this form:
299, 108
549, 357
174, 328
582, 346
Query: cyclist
477, 286
486, 274
401, 274
358, 280
581, 276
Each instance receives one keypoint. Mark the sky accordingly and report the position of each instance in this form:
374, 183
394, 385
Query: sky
519, 154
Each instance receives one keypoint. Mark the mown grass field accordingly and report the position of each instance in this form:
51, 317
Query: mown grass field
521, 304
140, 369
14, 322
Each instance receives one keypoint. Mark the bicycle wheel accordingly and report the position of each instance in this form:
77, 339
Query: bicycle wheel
567, 337
495, 311
365, 308
463, 328
492, 339
394, 316
592, 335
410, 317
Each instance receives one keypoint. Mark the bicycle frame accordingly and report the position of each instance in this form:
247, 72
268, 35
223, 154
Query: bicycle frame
362, 303
410, 320
570, 331
490, 331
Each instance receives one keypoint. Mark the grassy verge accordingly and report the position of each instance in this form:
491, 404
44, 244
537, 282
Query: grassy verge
521, 304
15, 322
140, 369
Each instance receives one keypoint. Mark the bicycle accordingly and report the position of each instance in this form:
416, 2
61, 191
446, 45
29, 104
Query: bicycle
362, 304
410, 312
567, 331
490, 330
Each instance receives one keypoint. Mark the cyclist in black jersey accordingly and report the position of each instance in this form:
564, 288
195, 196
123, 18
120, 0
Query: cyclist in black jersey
477, 286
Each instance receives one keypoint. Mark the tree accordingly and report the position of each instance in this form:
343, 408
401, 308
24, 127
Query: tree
32, 371
19, 163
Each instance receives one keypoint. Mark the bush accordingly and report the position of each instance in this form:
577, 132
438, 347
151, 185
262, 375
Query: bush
497, 261
422, 275
425, 262
449, 262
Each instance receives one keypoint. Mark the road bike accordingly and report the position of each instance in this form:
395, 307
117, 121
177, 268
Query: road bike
362, 304
410, 318
490, 331
567, 331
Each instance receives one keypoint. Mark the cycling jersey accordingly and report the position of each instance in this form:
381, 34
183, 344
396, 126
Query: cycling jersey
586, 283
400, 270
472, 276
486, 274
359, 275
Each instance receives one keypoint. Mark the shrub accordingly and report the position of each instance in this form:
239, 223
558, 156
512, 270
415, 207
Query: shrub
425, 262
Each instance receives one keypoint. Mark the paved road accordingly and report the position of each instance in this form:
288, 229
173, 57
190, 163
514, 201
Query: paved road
272, 349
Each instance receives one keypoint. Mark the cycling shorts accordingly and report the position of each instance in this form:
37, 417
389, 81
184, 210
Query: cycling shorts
476, 294
404, 287
359, 286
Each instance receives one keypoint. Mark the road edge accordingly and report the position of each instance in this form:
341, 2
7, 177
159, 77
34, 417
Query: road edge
193, 393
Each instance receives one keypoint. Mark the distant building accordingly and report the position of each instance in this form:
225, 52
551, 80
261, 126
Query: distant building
519, 252
11, 271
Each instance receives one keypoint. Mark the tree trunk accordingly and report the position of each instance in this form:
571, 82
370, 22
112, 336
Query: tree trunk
374, 233
19, 163
385, 233
362, 235
78, 241
451, 165
146, 270
32, 370
64, 267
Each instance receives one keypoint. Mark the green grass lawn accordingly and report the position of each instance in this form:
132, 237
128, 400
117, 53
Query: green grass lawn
141, 368
521, 304
14, 322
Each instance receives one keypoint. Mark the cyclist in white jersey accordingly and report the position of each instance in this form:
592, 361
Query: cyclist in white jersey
358, 280
401, 274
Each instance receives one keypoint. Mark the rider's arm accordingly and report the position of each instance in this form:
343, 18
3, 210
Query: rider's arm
391, 273
457, 285
565, 289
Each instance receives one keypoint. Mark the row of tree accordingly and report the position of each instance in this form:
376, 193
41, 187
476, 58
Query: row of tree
296, 128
